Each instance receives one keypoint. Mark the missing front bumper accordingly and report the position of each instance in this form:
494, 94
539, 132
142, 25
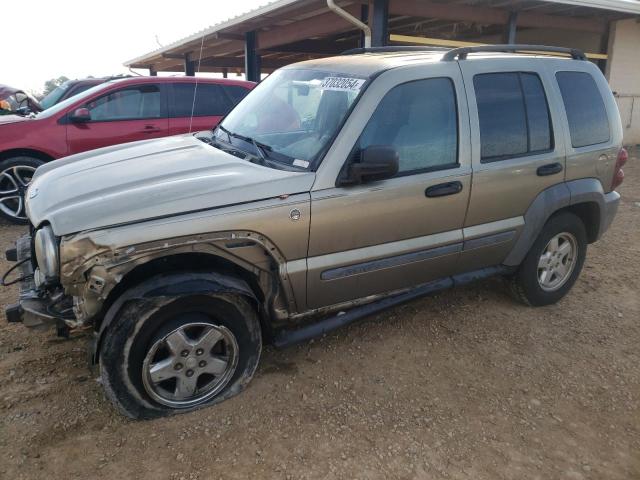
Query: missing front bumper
35, 308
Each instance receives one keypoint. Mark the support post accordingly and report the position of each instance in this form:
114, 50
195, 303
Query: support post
225, 72
189, 66
511, 28
380, 23
251, 59
152, 72
364, 16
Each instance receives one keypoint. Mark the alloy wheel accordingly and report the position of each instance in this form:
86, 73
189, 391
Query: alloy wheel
13, 187
557, 261
190, 364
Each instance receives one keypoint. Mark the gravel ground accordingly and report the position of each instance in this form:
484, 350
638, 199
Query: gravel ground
466, 384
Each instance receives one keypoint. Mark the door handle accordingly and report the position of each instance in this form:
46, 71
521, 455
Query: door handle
550, 169
150, 129
442, 189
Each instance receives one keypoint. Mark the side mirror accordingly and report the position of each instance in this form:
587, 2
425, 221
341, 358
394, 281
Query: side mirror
377, 162
80, 115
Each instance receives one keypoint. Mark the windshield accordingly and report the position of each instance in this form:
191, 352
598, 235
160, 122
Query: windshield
58, 107
53, 96
293, 114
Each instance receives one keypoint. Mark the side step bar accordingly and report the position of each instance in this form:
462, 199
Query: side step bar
287, 338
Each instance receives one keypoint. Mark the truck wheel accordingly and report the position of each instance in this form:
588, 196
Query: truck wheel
15, 176
553, 263
166, 355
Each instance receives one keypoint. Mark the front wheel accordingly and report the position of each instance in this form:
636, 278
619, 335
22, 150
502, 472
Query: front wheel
163, 356
15, 176
553, 263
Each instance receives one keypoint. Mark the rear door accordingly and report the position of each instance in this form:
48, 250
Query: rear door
515, 152
208, 101
126, 114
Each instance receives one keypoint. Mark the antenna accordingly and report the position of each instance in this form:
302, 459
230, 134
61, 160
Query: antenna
195, 88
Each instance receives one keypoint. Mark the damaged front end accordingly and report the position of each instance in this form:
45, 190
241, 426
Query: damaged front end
42, 302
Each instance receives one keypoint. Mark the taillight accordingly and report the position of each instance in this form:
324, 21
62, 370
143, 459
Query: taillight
618, 174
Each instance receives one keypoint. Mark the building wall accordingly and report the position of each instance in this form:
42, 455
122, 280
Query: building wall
623, 74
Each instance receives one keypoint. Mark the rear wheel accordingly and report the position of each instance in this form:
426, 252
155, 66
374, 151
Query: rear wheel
15, 176
553, 263
163, 356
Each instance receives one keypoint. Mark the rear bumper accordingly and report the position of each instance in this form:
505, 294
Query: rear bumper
609, 210
34, 306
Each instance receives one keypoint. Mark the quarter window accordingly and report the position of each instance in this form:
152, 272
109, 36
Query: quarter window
586, 114
210, 100
513, 114
127, 104
419, 119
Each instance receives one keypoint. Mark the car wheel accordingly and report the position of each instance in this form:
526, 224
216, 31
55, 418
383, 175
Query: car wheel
15, 176
163, 356
553, 263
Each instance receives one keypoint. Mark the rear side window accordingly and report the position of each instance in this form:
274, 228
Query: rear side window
236, 93
587, 116
513, 114
210, 100
420, 120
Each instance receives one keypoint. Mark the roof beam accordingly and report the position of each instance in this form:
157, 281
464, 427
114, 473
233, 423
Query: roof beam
317, 47
487, 15
238, 62
323, 24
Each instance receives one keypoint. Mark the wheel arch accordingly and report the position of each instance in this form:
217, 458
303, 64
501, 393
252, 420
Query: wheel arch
181, 275
584, 198
25, 152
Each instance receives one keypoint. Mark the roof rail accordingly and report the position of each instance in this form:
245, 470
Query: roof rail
461, 53
391, 48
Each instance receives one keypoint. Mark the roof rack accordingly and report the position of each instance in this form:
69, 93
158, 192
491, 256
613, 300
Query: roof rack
461, 53
391, 48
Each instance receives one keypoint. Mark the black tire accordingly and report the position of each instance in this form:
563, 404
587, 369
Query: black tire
140, 324
525, 283
23, 167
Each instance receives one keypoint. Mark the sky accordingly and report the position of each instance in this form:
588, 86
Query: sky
41, 40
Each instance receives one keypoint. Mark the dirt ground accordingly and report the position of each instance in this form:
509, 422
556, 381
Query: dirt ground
467, 384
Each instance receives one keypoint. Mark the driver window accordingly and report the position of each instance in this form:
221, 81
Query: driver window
131, 103
419, 119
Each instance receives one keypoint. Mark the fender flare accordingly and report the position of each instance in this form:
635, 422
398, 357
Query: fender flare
547, 203
172, 285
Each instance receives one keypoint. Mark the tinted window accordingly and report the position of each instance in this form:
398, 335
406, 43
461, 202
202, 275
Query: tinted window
538, 120
513, 114
236, 93
210, 100
127, 104
420, 120
588, 122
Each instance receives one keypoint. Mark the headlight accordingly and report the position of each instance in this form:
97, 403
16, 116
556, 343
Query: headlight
46, 249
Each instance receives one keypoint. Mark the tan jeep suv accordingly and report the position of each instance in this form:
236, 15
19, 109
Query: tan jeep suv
336, 188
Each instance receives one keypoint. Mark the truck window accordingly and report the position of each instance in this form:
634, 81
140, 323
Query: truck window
514, 115
419, 119
210, 100
586, 114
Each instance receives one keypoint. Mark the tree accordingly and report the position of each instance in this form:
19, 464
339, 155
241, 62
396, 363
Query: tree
52, 84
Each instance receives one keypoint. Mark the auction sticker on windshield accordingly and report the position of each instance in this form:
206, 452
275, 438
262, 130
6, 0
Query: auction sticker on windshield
342, 84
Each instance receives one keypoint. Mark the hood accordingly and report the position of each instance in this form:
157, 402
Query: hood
149, 179
4, 119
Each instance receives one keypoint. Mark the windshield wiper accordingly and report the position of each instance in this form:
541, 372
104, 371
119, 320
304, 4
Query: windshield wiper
261, 148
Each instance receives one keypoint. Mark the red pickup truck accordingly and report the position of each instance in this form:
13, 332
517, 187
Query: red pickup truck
117, 111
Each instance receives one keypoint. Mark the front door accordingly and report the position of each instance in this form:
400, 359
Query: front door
391, 234
135, 112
